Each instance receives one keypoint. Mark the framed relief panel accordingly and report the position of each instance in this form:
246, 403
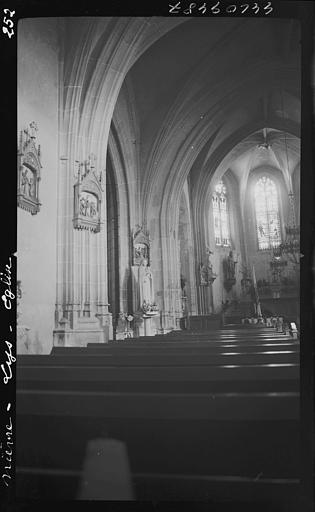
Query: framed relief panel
29, 168
87, 200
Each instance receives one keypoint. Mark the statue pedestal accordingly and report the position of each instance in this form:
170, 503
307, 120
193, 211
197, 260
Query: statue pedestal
143, 297
147, 323
144, 325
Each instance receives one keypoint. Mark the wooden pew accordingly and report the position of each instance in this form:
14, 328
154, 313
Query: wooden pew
179, 348
245, 434
170, 360
199, 413
216, 335
209, 339
163, 379
245, 493
236, 406
222, 332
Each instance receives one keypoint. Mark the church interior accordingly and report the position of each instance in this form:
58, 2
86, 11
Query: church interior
158, 259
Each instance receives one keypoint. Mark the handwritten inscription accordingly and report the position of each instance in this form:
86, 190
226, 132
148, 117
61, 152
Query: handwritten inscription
5, 278
6, 450
7, 358
6, 367
218, 8
8, 23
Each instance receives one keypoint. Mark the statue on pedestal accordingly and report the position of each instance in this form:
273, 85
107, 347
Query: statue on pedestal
207, 275
145, 282
143, 305
229, 271
146, 289
231, 264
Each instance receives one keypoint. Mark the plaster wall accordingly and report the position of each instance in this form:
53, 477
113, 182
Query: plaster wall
36, 234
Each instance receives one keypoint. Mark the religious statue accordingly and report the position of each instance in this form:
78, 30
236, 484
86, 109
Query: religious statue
183, 285
231, 264
88, 194
145, 282
25, 182
93, 210
147, 303
29, 170
141, 246
86, 206
209, 252
229, 271
31, 186
203, 275
82, 205
140, 252
207, 276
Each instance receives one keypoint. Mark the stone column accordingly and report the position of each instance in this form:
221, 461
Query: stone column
81, 307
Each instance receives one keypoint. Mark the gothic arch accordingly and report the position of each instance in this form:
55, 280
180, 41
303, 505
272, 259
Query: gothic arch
204, 112
90, 104
178, 161
86, 110
215, 165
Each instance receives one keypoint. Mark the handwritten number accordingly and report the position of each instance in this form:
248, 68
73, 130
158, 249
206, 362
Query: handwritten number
268, 6
231, 9
203, 8
6, 31
173, 7
215, 9
6, 11
8, 22
190, 8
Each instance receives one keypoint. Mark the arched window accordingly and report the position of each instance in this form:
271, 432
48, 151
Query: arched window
220, 216
267, 214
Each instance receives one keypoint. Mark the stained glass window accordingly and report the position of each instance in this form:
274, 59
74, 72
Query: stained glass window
220, 216
267, 214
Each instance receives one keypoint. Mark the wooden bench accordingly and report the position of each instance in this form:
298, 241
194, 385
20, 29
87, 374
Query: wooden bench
246, 435
179, 348
163, 379
212, 336
214, 407
256, 493
192, 417
169, 360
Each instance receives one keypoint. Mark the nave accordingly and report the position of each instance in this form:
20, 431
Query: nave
159, 197
204, 416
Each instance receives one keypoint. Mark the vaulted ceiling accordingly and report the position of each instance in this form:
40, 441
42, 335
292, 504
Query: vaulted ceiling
232, 83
